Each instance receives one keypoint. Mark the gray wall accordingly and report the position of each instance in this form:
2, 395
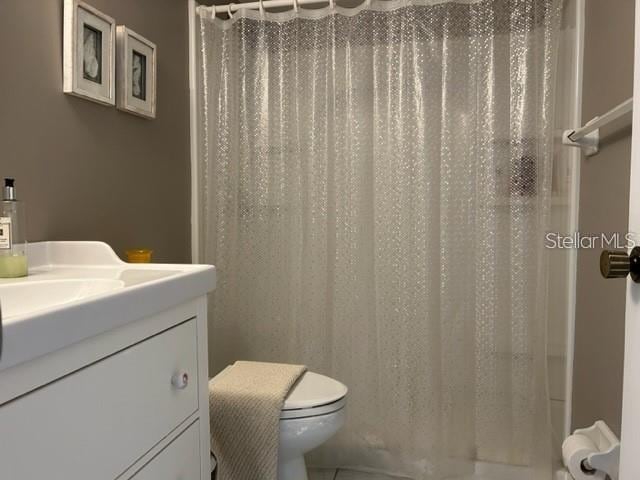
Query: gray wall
604, 197
90, 172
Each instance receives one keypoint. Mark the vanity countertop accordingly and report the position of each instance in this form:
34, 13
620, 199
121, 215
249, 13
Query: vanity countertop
76, 290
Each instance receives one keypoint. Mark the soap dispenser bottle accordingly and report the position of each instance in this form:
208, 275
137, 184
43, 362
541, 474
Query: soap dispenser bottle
13, 242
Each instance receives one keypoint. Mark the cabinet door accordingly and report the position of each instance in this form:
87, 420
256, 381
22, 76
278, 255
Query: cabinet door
180, 460
97, 422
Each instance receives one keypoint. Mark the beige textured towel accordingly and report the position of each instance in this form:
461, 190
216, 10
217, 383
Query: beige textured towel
245, 402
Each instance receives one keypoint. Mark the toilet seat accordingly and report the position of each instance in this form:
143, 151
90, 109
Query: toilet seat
313, 411
313, 395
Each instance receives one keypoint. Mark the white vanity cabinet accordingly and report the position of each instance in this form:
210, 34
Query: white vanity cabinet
130, 402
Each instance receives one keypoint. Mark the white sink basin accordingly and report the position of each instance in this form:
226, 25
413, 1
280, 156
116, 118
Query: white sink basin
76, 290
24, 298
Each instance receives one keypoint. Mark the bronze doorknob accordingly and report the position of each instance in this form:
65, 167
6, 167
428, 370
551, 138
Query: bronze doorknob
619, 264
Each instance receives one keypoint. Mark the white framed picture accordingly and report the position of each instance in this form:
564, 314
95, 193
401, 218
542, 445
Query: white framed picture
89, 53
136, 65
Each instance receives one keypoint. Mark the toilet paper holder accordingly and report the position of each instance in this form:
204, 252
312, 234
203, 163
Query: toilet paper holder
607, 458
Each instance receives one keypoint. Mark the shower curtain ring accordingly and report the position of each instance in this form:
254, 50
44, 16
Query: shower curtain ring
261, 7
295, 6
229, 10
332, 4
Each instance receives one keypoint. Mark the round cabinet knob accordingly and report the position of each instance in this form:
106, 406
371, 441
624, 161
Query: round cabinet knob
180, 380
619, 264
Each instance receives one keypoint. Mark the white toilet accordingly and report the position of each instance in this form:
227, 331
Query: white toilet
312, 413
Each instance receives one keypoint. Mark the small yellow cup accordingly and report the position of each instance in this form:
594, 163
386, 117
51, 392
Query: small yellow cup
139, 255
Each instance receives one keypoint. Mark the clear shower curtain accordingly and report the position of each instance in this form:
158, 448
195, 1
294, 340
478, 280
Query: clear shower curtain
375, 188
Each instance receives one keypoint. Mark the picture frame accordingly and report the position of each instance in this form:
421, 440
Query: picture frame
89, 39
136, 67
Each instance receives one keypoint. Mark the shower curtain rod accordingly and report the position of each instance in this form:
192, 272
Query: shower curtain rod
234, 7
262, 4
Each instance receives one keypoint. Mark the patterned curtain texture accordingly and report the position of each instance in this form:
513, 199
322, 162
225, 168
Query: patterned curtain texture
374, 190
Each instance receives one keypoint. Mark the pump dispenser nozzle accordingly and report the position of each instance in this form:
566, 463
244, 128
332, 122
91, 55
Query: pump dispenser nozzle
9, 190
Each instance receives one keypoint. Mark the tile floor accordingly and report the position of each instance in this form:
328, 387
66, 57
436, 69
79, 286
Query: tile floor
331, 474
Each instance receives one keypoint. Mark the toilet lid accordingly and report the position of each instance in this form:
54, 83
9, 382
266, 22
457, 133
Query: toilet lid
314, 390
